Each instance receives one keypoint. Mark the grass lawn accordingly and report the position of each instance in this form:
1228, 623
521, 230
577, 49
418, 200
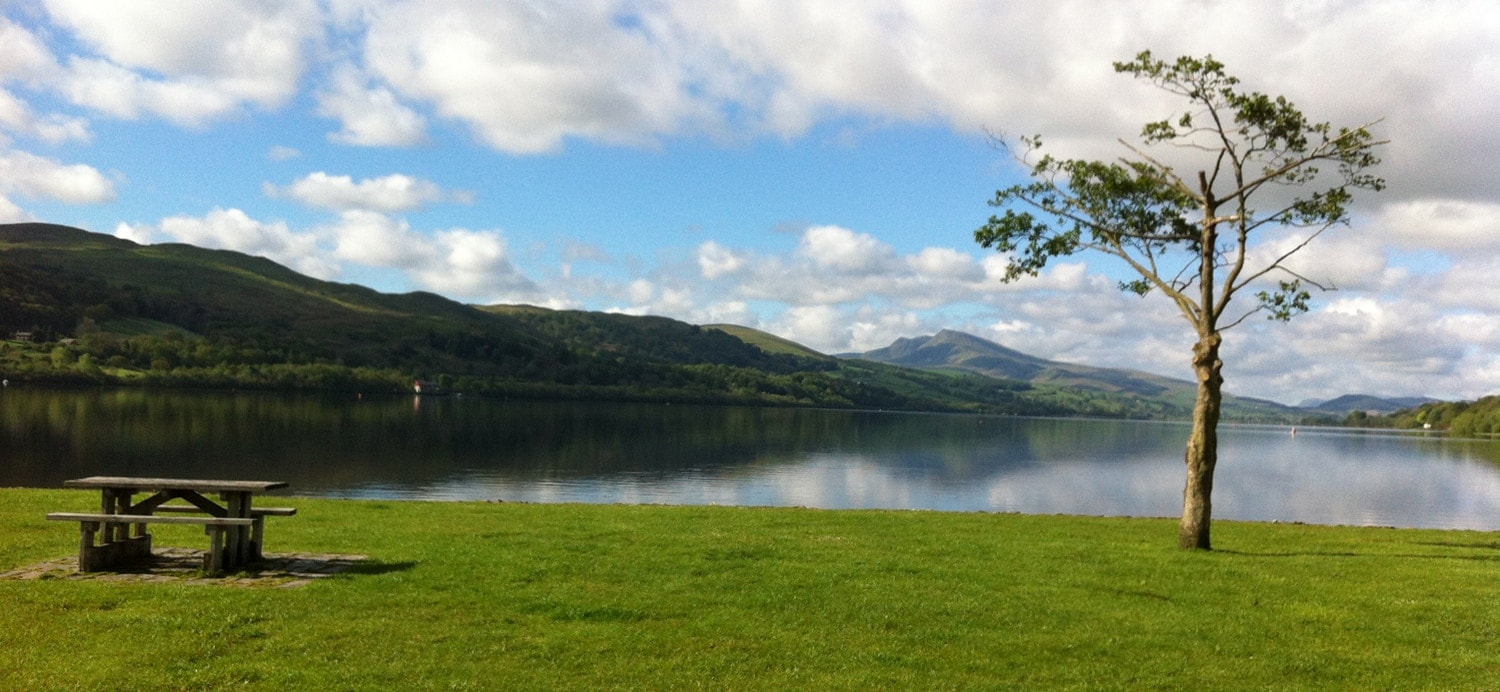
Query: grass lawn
577, 596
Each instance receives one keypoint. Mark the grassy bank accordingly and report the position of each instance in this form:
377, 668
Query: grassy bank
573, 596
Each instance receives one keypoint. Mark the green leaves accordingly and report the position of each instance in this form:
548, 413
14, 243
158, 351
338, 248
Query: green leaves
1286, 302
1102, 206
1190, 236
1021, 231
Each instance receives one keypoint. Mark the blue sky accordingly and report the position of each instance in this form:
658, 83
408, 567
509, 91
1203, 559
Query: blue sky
812, 169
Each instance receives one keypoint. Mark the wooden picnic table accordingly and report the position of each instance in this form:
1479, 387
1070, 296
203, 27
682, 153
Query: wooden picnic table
234, 524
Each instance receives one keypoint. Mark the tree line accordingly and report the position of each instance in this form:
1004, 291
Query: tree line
1479, 418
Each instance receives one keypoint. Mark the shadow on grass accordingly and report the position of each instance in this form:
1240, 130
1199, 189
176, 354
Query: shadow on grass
1407, 556
1491, 545
370, 567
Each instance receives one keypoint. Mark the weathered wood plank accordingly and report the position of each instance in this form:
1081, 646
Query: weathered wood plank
200, 485
147, 519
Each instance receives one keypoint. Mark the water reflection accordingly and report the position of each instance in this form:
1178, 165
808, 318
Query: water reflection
458, 448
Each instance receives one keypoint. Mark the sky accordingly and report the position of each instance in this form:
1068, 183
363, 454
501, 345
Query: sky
812, 169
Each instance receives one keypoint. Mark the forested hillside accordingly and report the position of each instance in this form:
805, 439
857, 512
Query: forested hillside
1458, 418
81, 307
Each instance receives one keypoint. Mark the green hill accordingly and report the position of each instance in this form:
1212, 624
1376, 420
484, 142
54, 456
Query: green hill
97, 309
770, 343
956, 351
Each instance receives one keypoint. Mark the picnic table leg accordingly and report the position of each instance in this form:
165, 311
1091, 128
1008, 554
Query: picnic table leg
237, 546
87, 555
257, 538
114, 501
213, 560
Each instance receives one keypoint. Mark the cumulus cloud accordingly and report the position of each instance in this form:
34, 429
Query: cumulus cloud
189, 61
458, 262
843, 250
233, 229
1341, 258
388, 194
23, 56
946, 263
818, 326
525, 77
379, 240
1448, 225
18, 118
474, 264
43, 178
371, 117
715, 260
10, 213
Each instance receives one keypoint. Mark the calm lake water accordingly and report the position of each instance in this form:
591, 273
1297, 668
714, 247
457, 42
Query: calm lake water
455, 448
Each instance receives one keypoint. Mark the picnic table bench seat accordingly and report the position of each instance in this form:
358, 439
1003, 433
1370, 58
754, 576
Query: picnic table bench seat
94, 556
254, 511
257, 514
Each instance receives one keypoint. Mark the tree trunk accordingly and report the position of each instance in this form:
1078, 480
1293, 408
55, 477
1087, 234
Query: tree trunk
1202, 447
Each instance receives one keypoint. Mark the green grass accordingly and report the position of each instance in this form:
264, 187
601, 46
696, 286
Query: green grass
577, 596
770, 343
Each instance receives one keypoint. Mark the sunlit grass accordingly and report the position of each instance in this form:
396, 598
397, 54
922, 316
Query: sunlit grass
578, 596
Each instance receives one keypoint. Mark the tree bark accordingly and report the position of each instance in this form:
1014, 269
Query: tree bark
1202, 447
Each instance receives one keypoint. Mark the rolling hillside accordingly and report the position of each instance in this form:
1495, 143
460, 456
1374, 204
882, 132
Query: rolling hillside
956, 351
98, 309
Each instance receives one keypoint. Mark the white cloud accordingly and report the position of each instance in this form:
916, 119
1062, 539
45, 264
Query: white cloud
233, 229
526, 76
189, 61
17, 117
282, 153
1441, 224
473, 264
43, 178
391, 193
371, 117
23, 56
843, 250
1341, 258
461, 263
715, 260
817, 326
640, 291
1468, 285
872, 329
727, 312
378, 240
947, 264
10, 213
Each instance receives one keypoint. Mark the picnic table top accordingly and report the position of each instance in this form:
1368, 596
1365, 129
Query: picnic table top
199, 485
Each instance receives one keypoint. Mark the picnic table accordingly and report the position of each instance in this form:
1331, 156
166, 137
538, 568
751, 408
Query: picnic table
235, 527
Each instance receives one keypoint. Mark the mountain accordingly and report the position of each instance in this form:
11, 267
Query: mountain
956, 351
1350, 403
960, 351
88, 308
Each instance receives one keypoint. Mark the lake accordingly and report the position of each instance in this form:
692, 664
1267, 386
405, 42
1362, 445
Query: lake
461, 448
